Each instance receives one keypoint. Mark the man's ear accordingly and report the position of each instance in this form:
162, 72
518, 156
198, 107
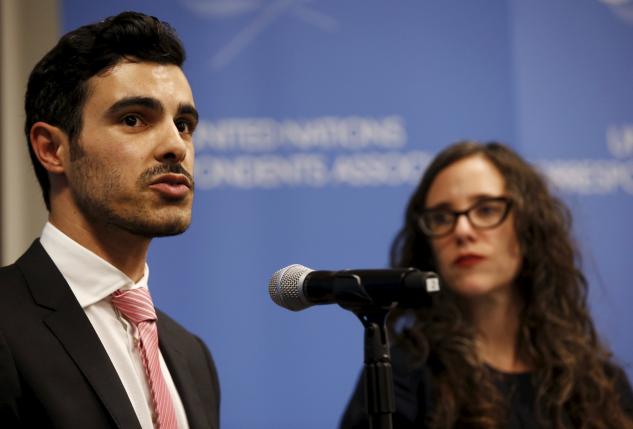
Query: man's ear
50, 145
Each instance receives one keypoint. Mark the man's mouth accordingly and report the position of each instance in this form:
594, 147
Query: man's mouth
173, 186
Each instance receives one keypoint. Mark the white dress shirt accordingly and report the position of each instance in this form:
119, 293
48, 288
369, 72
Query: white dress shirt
93, 280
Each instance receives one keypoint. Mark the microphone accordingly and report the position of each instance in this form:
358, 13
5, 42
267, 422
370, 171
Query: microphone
296, 287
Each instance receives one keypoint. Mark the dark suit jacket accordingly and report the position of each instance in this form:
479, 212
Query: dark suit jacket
54, 371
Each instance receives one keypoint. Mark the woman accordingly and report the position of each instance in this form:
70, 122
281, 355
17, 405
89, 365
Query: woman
509, 343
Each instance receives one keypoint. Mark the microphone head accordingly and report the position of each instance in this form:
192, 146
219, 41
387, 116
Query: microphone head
286, 287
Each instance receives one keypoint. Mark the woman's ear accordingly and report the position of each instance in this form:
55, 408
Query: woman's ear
50, 145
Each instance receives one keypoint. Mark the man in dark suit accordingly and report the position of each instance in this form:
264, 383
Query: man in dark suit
109, 121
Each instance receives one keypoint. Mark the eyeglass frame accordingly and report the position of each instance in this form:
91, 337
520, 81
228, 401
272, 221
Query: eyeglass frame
456, 215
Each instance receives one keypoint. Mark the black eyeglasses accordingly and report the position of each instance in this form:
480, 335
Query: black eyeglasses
484, 214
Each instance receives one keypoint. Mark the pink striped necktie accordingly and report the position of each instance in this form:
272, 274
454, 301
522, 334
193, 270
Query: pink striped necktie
136, 306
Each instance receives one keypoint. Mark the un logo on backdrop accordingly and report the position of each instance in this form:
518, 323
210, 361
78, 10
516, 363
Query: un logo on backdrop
264, 14
222, 8
621, 8
268, 152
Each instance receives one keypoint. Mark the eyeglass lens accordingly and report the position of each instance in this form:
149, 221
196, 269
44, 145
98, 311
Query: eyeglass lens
485, 213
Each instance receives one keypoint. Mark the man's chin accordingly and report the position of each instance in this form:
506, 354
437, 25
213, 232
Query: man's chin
168, 232
152, 228
160, 230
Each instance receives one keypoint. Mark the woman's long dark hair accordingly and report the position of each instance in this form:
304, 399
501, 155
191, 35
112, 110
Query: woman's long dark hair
572, 374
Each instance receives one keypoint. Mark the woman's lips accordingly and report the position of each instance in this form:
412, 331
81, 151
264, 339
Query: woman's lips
469, 260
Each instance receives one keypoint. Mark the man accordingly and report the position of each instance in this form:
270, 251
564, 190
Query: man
109, 121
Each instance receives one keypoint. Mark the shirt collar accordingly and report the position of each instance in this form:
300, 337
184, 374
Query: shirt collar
90, 277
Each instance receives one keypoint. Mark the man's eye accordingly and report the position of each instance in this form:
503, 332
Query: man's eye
184, 126
131, 120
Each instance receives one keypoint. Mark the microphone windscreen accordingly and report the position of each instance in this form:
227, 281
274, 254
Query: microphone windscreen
286, 287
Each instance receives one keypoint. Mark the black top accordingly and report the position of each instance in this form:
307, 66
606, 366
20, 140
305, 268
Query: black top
414, 397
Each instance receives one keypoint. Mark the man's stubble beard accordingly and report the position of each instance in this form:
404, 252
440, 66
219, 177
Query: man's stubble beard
95, 185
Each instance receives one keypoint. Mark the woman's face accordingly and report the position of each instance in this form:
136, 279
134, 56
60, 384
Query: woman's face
473, 262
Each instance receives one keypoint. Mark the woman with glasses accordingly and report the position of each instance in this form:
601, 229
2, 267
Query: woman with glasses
509, 343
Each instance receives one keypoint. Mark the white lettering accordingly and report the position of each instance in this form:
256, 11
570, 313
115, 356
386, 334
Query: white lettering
620, 141
313, 170
259, 135
588, 177
260, 172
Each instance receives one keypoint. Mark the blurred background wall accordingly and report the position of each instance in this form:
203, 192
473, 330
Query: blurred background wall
28, 29
317, 119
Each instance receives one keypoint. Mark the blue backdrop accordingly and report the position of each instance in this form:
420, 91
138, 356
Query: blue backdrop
317, 120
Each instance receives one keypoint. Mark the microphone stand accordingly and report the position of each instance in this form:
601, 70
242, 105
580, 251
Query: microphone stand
379, 394
378, 374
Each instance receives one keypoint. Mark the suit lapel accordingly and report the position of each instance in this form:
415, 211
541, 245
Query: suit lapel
70, 325
183, 378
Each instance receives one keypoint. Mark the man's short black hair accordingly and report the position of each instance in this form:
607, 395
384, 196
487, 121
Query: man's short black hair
57, 87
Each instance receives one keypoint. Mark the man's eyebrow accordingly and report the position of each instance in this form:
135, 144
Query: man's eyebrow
188, 109
127, 102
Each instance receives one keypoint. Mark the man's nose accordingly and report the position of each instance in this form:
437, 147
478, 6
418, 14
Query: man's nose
172, 147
